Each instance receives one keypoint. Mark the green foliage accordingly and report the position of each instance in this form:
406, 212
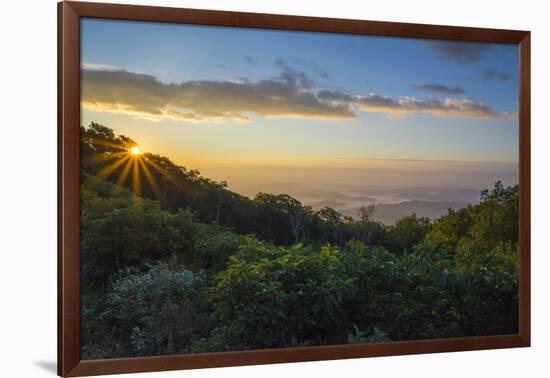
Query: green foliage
278, 219
314, 296
103, 154
125, 230
486, 225
281, 218
214, 245
359, 337
192, 267
153, 312
294, 296
407, 232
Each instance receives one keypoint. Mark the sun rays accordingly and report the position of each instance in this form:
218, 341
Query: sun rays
133, 164
145, 174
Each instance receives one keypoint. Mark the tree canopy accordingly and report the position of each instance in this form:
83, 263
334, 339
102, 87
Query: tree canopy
180, 264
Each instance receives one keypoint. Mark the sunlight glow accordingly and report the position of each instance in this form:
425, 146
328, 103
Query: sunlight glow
135, 166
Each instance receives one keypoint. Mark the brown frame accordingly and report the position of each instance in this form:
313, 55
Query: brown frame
69, 14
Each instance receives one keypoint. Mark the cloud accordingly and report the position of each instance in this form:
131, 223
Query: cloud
144, 96
288, 95
250, 60
447, 107
491, 73
313, 66
292, 76
99, 67
440, 88
460, 52
336, 96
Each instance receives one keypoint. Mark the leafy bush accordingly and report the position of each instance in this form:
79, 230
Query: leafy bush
274, 296
154, 312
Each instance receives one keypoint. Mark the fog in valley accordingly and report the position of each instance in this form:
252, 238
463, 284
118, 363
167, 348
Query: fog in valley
397, 187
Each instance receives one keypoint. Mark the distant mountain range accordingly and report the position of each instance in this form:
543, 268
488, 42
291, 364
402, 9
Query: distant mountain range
327, 203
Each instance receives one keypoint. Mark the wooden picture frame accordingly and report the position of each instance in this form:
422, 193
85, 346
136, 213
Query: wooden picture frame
69, 16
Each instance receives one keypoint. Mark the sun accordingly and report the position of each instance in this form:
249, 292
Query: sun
135, 150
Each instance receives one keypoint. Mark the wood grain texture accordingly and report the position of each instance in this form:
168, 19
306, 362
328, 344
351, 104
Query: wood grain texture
69, 14
286, 355
272, 21
525, 188
68, 190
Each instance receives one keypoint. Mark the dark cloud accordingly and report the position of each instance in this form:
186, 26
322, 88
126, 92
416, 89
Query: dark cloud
460, 52
374, 102
250, 60
292, 76
492, 74
440, 88
327, 95
447, 107
145, 96
312, 66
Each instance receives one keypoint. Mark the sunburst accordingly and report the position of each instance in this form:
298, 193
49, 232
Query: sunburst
132, 164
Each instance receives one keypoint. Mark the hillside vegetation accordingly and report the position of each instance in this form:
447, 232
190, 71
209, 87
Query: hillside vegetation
173, 262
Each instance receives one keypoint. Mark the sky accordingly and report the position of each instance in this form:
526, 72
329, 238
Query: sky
249, 105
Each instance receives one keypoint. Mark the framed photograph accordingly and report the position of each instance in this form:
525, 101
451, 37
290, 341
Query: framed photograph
239, 188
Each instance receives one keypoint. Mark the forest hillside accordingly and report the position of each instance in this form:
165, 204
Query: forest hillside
173, 262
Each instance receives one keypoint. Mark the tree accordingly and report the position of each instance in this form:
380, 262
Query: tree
218, 189
105, 154
281, 218
124, 230
333, 224
493, 221
365, 223
366, 212
407, 232
154, 312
